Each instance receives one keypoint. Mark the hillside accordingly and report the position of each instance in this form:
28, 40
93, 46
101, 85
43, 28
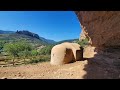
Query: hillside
30, 37
17, 37
28, 33
6, 32
69, 40
48, 40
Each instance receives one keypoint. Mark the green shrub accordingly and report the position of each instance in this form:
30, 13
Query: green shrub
42, 58
2, 42
34, 53
83, 43
46, 50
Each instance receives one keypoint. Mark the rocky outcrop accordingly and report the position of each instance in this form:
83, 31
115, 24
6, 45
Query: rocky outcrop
25, 32
66, 53
101, 27
82, 36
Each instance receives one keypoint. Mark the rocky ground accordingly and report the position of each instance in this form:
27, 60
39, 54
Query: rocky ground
93, 66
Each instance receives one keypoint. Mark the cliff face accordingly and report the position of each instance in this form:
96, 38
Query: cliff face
82, 36
28, 33
101, 27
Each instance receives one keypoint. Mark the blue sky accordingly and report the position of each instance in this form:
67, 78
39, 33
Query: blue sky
55, 25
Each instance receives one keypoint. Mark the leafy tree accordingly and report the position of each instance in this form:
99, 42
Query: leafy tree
25, 49
18, 49
12, 50
24, 54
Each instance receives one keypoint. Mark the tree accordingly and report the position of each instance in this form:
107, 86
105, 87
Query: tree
18, 49
12, 50
25, 54
25, 49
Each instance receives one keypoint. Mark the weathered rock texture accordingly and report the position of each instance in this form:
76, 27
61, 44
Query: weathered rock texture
66, 53
82, 36
101, 27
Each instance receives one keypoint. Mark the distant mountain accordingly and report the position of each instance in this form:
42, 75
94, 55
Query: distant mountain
30, 37
69, 40
25, 32
47, 40
24, 35
18, 37
6, 32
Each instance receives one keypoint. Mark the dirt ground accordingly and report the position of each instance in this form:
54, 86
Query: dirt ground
103, 66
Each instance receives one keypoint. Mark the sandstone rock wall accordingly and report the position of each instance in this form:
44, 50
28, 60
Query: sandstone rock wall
101, 27
82, 36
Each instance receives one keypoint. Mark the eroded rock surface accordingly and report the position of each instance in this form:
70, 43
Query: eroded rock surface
101, 27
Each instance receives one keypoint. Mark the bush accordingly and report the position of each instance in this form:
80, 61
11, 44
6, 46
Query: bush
17, 47
46, 50
2, 42
11, 49
83, 43
43, 58
34, 53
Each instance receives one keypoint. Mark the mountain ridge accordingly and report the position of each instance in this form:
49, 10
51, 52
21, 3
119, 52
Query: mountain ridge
27, 33
6, 32
68, 40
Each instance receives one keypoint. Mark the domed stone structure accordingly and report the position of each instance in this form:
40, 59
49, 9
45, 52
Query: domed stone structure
65, 53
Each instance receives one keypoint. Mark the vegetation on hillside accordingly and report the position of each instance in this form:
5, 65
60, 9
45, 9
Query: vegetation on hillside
82, 43
24, 47
46, 50
70, 40
17, 49
23, 51
17, 37
30, 37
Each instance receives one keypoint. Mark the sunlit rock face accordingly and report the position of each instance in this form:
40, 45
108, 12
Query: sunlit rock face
101, 27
